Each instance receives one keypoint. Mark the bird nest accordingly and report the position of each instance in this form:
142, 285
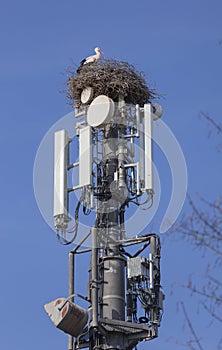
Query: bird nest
111, 78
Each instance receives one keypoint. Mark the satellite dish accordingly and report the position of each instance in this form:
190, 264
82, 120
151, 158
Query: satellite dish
100, 111
157, 111
87, 95
67, 316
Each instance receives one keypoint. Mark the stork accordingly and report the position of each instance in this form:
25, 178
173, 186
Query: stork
90, 59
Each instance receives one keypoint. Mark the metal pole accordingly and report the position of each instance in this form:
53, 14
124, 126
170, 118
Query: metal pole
71, 290
94, 281
112, 264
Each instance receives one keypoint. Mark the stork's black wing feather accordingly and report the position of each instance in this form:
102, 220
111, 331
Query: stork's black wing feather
82, 62
80, 66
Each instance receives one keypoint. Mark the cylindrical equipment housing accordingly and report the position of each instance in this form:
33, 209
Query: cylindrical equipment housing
113, 290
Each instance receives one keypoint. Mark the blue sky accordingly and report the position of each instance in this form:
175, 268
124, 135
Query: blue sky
177, 45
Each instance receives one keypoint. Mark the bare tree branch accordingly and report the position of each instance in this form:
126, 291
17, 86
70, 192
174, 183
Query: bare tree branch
202, 228
211, 120
191, 327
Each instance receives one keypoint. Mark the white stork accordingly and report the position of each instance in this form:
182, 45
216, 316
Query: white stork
90, 59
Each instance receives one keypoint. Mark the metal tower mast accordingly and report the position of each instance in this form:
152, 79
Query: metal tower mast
115, 170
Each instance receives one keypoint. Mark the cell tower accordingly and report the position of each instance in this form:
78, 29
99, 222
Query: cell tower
125, 300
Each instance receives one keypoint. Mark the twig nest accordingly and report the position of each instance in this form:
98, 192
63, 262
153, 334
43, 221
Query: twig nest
111, 78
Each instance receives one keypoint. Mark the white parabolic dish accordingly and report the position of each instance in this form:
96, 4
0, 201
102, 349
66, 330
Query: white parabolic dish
100, 111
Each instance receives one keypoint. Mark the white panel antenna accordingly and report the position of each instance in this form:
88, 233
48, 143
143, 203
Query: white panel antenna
148, 148
61, 159
85, 156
